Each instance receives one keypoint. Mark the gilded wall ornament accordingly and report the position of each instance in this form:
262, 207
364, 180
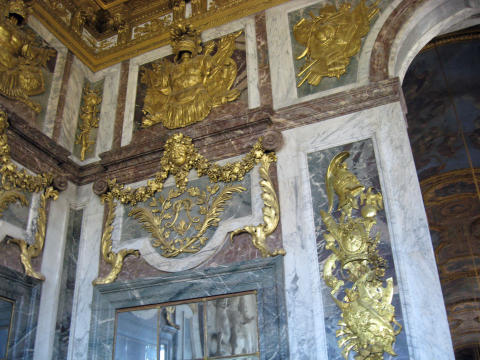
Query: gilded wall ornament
20, 61
14, 183
331, 39
368, 325
188, 208
271, 212
89, 116
184, 91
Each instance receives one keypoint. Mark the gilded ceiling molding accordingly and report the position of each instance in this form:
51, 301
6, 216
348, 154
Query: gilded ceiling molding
21, 61
14, 183
367, 323
184, 91
168, 217
331, 39
138, 26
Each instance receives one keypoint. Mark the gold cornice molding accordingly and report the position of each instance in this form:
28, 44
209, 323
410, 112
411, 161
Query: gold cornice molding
97, 61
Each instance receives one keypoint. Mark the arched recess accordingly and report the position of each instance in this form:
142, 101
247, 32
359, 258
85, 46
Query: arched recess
411, 26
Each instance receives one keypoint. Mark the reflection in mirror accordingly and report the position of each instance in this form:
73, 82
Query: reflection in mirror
136, 335
220, 327
6, 315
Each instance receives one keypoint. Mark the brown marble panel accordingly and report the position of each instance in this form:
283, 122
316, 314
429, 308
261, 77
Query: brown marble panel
383, 43
57, 126
264, 80
121, 100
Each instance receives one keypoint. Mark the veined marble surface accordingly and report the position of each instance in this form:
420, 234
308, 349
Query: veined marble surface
79, 73
56, 83
425, 320
247, 24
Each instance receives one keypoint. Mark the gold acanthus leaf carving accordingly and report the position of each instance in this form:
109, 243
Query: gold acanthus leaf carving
271, 212
184, 91
331, 39
115, 259
367, 325
29, 251
89, 117
21, 61
168, 220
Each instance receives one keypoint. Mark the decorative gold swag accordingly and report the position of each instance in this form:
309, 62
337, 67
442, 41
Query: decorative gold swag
161, 219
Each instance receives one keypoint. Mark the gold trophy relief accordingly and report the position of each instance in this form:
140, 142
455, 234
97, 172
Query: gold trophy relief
331, 39
21, 61
355, 271
183, 92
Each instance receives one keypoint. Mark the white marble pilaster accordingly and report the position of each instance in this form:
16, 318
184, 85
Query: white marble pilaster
423, 308
52, 262
87, 271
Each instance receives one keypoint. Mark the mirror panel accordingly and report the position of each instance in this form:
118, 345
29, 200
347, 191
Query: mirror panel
6, 315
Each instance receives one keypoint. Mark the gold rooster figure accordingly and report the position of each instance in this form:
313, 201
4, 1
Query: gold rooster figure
331, 39
271, 213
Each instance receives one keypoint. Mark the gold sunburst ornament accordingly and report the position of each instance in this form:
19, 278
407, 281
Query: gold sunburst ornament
331, 39
184, 91
355, 268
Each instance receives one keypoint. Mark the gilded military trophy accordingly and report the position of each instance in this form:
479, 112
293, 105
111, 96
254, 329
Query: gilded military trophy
90, 120
355, 268
331, 39
21, 61
184, 91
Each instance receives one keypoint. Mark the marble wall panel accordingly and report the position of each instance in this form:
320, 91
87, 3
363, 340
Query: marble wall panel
263, 276
67, 286
361, 163
25, 292
131, 106
46, 120
424, 314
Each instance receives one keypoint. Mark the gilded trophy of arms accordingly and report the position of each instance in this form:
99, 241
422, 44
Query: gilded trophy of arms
21, 61
184, 91
355, 268
89, 117
331, 39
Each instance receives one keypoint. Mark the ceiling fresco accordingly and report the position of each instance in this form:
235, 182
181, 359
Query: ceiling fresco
104, 32
440, 133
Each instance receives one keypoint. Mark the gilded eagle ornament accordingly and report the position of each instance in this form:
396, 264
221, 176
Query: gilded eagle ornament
184, 91
331, 39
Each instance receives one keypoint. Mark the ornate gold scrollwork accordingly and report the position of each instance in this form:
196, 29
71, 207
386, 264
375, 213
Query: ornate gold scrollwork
89, 117
331, 39
271, 212
368, 324
183, 92
14, 183
21, 61
111, 257
163, 217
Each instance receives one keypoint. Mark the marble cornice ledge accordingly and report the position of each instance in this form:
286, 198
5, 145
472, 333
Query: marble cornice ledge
343, 103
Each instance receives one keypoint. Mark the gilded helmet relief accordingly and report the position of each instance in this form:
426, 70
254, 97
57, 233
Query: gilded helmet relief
184, 88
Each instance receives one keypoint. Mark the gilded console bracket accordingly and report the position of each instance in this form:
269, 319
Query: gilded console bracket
367, 323
271, 212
